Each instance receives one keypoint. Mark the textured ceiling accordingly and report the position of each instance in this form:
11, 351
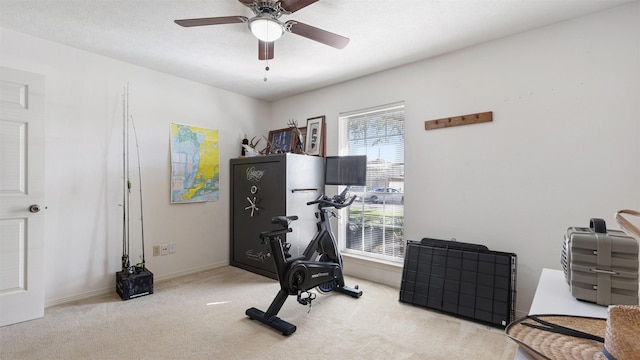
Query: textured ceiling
383, 34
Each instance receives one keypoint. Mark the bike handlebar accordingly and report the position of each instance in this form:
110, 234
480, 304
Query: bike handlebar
337, 202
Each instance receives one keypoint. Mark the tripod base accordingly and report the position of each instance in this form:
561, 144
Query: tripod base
275, 322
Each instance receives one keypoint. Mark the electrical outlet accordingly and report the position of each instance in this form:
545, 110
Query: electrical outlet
165, 249
156, 250
172, 248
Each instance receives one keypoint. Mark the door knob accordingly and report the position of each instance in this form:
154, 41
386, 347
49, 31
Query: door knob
34, 208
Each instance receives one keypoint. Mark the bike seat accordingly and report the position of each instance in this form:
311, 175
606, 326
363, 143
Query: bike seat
283, 221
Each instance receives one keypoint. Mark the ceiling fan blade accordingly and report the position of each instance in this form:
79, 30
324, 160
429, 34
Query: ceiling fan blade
319, 35
265, 50
212, 21
295, 5
246, 2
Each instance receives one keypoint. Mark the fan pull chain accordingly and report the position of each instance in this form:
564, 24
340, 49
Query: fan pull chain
266, 68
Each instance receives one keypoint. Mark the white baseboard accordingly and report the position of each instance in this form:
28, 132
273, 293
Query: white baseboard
190, 271
105, 291
378, 271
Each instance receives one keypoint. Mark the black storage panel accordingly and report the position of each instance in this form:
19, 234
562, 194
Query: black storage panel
465, 280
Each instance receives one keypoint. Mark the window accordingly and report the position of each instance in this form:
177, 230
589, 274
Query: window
374, 224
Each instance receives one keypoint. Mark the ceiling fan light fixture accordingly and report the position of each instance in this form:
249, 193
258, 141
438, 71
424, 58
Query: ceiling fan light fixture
266, 28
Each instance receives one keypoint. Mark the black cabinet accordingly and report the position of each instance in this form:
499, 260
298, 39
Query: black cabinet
266, 186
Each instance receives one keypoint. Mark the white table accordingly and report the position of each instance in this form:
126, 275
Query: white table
553, 297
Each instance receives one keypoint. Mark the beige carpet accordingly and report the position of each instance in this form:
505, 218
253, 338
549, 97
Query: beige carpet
201, 316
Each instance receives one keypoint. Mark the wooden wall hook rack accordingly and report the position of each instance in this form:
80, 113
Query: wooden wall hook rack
459, 120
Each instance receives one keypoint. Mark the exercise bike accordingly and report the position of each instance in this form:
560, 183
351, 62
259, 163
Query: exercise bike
319, 266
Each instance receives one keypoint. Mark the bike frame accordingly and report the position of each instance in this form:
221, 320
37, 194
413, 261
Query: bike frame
324, 241
321, 256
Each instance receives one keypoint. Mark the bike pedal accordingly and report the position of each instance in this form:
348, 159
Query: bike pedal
306, 300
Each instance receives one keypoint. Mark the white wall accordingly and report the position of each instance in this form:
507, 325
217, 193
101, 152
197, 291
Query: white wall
564, 145
84, 165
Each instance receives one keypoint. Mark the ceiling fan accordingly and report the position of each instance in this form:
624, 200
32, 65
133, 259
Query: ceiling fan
267, 28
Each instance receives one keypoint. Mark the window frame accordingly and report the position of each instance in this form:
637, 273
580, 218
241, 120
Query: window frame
343, 149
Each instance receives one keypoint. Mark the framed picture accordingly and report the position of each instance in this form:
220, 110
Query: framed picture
315, 139
282, 140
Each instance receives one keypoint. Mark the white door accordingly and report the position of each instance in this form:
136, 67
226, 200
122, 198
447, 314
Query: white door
21, 196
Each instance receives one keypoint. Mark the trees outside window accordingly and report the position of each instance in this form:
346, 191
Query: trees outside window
374, 224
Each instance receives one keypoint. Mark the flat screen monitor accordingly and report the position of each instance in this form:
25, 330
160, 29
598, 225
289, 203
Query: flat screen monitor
346, 170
